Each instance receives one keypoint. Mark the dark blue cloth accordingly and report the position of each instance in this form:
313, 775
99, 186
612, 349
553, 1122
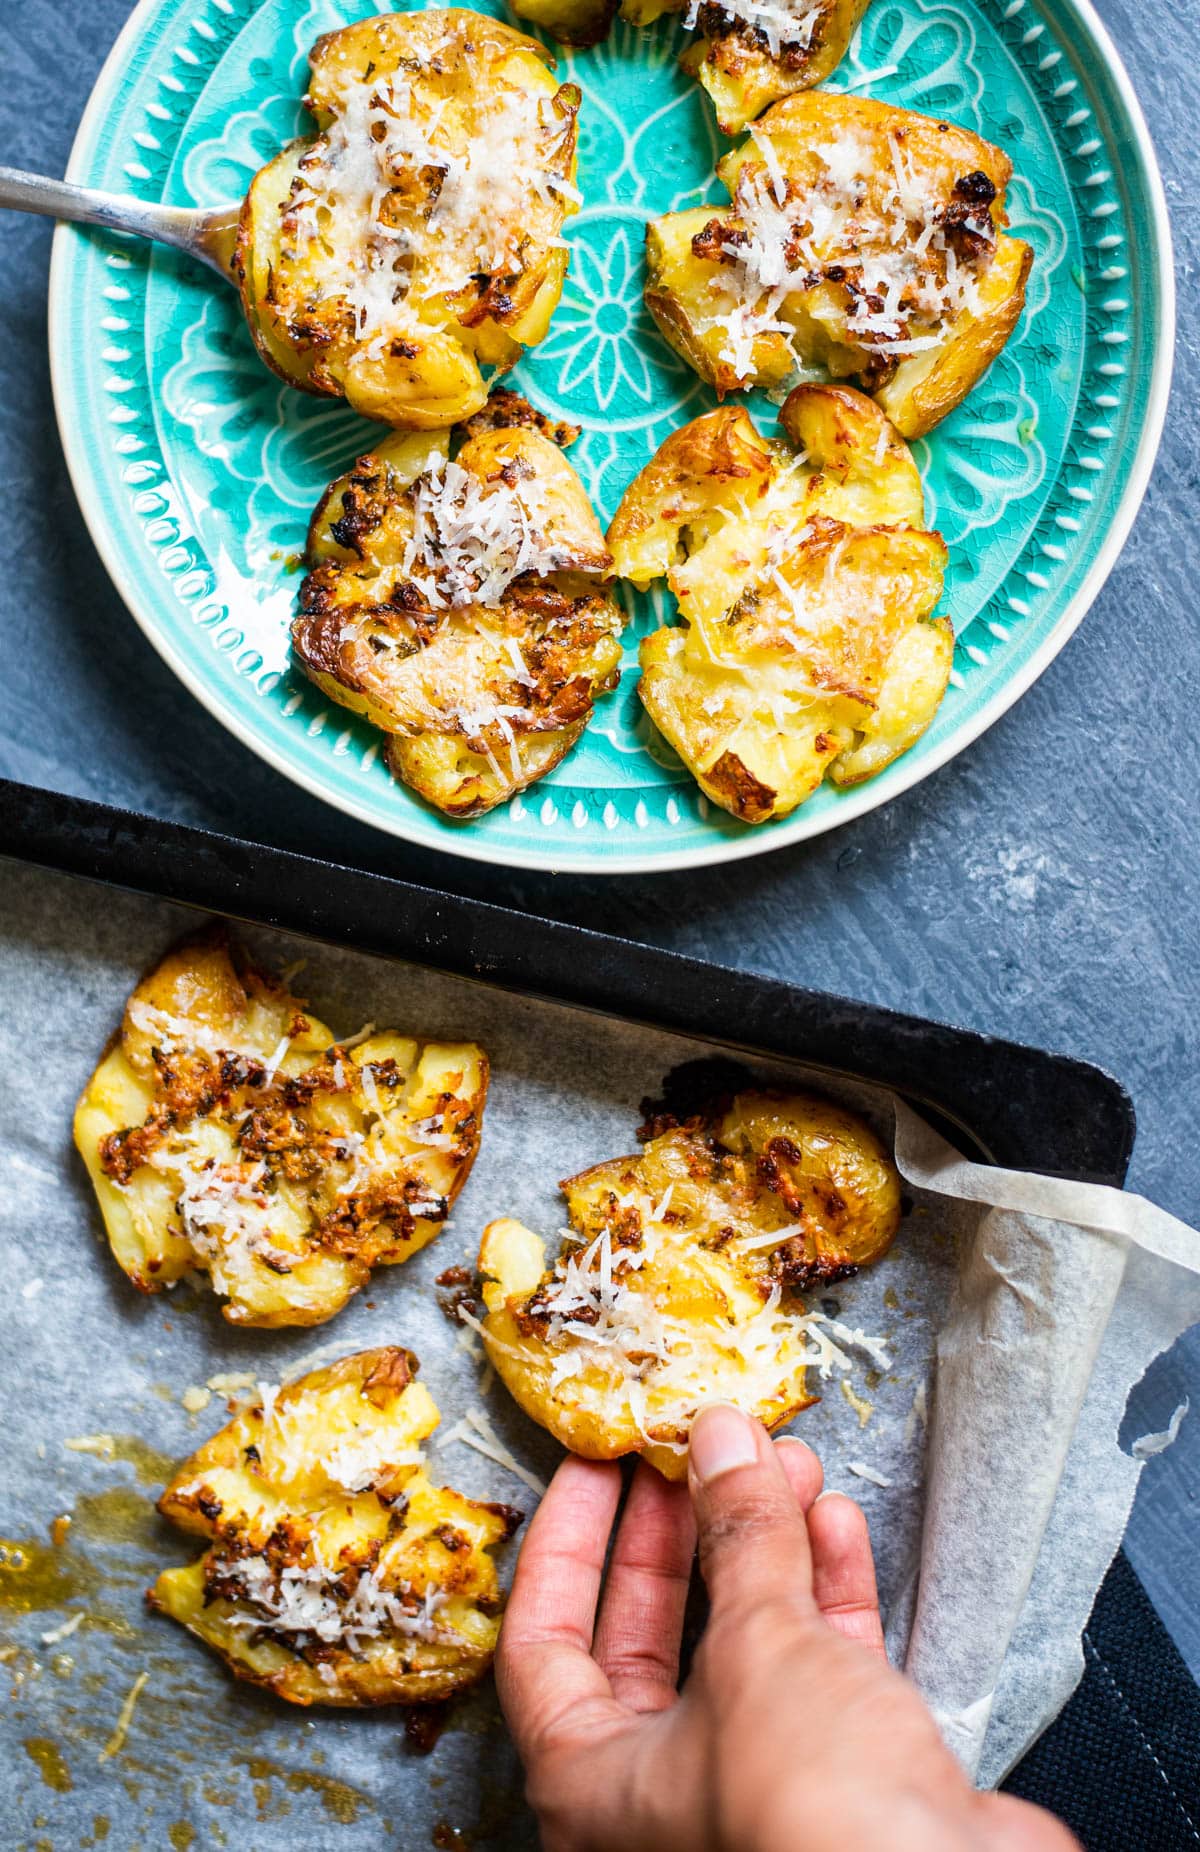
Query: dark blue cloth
1121, 1765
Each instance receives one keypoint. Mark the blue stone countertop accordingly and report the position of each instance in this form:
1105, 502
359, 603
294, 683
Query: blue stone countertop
1045, 885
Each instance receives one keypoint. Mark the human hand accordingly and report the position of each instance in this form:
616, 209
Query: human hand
791, 1734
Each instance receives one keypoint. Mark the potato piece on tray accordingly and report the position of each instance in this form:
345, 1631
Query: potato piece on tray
455, 598
336, 1572
863, 240
682, 1279
806, 583
418, 236
227, 1131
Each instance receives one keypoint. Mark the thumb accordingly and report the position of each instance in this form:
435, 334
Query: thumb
752, 1536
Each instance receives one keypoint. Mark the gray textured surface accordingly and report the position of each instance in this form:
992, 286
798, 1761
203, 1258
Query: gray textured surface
1045, 885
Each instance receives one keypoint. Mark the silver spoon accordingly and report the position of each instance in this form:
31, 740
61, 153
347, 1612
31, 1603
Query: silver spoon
204, 232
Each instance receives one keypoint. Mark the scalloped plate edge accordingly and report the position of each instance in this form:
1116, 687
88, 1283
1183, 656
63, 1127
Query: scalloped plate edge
799, 828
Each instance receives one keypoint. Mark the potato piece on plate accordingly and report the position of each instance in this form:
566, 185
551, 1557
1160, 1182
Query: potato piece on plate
806, 584
456, 600
336, 1572
682, 1279
746, 53
863, 240
417, 237
749, 53
227, 1131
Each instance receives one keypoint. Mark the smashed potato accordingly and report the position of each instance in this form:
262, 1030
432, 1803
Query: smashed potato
227, 1131
747, 53
418, 236
336, 1572
681, 1282
806, 583
864, 240
456, 601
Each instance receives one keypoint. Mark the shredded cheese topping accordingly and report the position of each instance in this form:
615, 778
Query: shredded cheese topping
415, 208
471, 539
783, 23
476, 1431
869, 1473
354, 1460
905, 281
607, 1310
116, 1741
306, 1601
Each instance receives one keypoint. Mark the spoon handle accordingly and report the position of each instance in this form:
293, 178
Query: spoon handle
205, 234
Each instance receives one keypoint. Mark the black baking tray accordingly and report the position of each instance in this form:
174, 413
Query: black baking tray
999, 1101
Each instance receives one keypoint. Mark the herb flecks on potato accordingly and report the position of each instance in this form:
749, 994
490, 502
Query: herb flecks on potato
336, 1572
864, 240
683, 1279
455, 599
806, 583
227, 1131
418, 236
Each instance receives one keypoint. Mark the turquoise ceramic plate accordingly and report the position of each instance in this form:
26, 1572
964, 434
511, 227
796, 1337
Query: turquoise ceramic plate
197, 470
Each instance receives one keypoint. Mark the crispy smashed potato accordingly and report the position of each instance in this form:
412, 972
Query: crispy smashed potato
747, 53
753, 52
682, 1282
806, 583
459, 605
227, 1131
417, 237
336, 1572
864, 240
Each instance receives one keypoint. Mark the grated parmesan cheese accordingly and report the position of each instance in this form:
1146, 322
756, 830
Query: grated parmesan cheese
471, 539
858, 1339
909, 284
475, 1430
306, 1601
64, 1631
783, 23
116, 1741
862, 1471
410, 216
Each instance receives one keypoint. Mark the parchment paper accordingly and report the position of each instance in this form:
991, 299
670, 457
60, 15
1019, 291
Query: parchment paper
1016, 1335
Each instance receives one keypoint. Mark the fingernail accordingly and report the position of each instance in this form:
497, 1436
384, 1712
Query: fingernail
722, 1440
793, 1440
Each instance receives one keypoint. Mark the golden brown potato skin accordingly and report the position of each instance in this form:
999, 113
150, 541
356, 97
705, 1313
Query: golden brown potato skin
697, 283
684, 1233
731, 56
326, 1490
396, 306
226, 1130
480, 699
806, 584
571, 22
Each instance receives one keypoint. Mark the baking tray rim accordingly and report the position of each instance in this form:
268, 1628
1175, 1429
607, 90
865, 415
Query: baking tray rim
1018, 1105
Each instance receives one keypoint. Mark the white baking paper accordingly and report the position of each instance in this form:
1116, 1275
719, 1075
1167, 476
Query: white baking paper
1016, 1313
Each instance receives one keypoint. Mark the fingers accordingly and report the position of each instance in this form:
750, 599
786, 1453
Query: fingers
844, 1570
802, 1470
544, 1667
1012, 1825
641, 1617
752, 1535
